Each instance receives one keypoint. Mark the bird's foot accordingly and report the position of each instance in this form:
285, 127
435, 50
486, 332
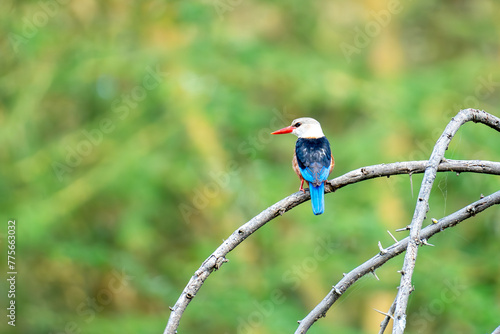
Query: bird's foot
302, 186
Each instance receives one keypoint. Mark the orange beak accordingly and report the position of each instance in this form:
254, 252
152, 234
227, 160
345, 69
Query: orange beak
288, 129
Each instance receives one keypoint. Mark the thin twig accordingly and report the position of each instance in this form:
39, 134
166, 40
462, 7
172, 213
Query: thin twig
382, 250
388, 317
383, 313
392, 251
422, 205
358, 175
393, 237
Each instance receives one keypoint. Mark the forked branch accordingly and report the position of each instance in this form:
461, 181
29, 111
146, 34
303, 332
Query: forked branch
422, 206
217, 258
390, 252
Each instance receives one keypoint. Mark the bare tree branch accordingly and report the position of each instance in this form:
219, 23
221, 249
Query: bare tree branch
496, 331
408, 167
390, 252
217, 258
422, 206
387, 318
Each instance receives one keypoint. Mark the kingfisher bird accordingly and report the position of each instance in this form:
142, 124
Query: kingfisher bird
313, 160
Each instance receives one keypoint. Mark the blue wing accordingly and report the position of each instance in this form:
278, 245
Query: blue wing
315, 173
314, 158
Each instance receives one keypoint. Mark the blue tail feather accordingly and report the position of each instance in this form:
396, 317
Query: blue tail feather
317, 198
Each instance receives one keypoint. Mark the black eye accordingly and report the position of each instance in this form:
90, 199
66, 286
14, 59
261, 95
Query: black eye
297, 124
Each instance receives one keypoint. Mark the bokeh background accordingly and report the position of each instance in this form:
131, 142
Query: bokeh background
135, 138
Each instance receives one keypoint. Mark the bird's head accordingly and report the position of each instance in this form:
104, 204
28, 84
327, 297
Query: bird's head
304, 127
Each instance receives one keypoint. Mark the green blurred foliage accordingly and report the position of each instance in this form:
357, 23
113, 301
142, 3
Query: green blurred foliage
123, 182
